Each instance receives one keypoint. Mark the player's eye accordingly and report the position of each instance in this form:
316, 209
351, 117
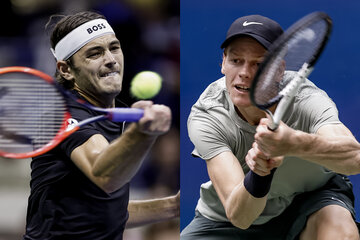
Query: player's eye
115, 48
94, 54
235, 60
257, 64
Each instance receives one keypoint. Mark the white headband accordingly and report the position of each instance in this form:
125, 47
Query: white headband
80, 36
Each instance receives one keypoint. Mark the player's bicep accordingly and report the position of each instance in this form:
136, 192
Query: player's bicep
84, 156
225, 173
334, 130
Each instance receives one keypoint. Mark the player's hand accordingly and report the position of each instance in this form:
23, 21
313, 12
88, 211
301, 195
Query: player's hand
259, 163
273, 143
156, 120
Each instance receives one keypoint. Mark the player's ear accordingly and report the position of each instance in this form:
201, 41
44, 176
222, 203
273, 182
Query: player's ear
64, 70
223, 63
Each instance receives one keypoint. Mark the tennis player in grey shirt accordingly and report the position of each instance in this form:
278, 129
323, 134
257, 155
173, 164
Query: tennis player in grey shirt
285, 184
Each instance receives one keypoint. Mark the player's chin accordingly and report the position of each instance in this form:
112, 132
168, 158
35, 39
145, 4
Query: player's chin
112, 89
113, 82
241, 101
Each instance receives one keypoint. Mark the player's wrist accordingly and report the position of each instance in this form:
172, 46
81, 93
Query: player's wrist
136, 132
258, 186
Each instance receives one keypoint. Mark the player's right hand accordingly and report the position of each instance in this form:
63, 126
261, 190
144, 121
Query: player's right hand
156, 120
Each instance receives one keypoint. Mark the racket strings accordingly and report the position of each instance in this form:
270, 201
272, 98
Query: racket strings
289, 55
32, 112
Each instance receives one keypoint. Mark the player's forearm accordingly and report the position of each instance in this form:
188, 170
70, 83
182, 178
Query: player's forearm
340, 154
119, 162
242, 209
142, 212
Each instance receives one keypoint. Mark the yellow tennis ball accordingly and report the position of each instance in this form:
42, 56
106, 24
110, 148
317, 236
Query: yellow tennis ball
145, 85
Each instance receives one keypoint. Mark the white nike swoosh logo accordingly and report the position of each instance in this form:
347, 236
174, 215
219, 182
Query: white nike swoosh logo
246, 23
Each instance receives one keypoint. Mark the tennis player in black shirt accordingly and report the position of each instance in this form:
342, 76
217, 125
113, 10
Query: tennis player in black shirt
80, 190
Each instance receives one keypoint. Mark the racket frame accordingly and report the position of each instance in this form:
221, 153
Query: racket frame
285, 96
112, 114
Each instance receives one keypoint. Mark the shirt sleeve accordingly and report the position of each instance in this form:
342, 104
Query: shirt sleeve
208, 136
79, 137
319, 110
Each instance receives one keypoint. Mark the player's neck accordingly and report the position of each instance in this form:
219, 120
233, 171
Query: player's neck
252, 114
103, 102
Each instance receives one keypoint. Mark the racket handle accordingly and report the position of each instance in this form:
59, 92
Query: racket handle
272, 126
125, 114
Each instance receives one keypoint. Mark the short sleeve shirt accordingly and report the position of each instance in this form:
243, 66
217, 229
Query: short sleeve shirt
64, 203
214, 127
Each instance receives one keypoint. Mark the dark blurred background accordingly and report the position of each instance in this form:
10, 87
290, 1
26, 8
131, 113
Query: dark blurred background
203, 28
149, 34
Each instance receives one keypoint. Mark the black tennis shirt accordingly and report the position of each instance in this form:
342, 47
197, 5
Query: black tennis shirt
64, 204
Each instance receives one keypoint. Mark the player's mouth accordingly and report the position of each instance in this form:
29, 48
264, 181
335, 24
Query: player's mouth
242, 88
109, 74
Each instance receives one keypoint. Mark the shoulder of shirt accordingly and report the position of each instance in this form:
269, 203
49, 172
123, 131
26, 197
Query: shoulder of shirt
213, 96
307, 89
78, 111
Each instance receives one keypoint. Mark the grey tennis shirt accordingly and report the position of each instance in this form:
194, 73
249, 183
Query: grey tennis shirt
214, 127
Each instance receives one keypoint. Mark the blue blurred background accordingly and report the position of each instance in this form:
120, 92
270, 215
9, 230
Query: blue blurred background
203, 28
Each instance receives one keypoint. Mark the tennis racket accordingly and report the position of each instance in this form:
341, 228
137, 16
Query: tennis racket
296, 50
34, 117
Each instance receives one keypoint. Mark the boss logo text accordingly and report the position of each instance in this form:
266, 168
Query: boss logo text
95, 28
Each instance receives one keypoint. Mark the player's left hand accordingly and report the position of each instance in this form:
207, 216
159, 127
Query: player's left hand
273, 143
259, 163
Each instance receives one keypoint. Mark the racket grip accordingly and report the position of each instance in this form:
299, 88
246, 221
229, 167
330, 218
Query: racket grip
125, 114
272, 126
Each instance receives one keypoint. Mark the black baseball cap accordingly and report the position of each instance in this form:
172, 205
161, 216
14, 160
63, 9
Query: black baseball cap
262, 29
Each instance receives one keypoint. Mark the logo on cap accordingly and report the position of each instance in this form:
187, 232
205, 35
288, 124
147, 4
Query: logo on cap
246, 23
